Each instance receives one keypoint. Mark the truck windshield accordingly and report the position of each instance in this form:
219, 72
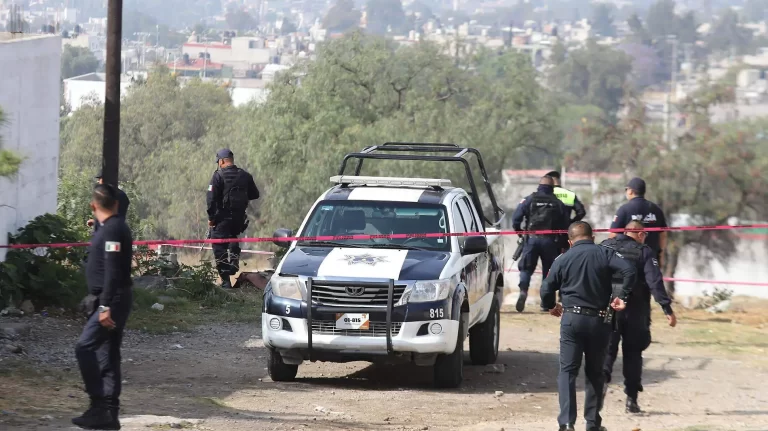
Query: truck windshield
377, 218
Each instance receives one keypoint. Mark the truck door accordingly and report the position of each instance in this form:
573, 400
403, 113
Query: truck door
477, 281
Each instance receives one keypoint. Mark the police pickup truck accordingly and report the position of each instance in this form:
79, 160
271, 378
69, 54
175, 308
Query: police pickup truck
413, 298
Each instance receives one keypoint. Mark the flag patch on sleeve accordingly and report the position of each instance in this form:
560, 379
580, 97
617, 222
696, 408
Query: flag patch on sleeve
210, 187
112, 246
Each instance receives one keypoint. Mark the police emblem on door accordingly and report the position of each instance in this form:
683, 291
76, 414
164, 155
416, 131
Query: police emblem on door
365, 259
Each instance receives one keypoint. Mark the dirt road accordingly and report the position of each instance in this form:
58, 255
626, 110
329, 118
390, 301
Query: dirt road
700, 375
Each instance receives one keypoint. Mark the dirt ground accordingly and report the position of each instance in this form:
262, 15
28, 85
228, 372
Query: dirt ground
707, 374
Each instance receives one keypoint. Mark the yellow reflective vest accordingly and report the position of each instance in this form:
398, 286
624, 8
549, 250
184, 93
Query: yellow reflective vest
566, 196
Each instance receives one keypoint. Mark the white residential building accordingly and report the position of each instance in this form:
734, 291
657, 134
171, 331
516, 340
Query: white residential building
30, 80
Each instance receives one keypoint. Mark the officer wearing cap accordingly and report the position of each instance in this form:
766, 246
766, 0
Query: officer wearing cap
122, 200
633, 325
108, 304
640, 209
229, 193
542, 211
583, 276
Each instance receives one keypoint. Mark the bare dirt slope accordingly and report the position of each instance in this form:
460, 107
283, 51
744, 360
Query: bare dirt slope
703, 374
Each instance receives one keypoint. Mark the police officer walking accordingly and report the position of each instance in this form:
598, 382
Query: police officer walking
568, 198
633, 325
640, 209
108, 273
583, 276
229, 192
542, 211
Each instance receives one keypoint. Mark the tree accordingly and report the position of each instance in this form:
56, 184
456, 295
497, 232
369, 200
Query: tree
662, 21
602, 20
76, 61
646, 64
240, 20
639, 33
385, 16
594, 75
287, 26
722, 175
728, 35
342, 16
9, 162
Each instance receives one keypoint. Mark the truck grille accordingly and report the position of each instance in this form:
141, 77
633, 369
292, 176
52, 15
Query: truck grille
371, 296
375, 329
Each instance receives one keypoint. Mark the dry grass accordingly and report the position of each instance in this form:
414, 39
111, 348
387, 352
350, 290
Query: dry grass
33, 392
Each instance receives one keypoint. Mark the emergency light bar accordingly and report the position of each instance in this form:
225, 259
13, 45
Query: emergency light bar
390, 181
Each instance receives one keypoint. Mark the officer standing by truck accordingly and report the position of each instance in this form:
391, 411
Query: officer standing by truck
108, 304
583, 276
542, 211
633, 325
640, 209
230, 191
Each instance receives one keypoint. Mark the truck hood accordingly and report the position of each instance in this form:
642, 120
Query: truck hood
365, 263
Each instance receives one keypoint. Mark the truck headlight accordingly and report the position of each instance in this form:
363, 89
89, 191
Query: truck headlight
287, 287
426, 291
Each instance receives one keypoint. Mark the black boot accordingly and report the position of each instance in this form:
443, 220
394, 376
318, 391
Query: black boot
632, 406
98, 417
520, 306
568, 427
225, 283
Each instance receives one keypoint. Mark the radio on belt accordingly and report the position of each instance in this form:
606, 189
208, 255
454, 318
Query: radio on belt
377, 276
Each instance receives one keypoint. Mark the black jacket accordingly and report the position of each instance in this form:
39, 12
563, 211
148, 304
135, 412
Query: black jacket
215, 196
583, 276
108, 270
523, 211
652, 284
644, 211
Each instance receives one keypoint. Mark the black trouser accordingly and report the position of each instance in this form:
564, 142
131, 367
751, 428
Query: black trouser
587, 336
227, 255
98, 355
536, 247
634, 334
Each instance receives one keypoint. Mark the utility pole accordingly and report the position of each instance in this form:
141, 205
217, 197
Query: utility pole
668, 113
111, 147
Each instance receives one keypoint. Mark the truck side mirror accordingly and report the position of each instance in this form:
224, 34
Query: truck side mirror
282, 233
475, 244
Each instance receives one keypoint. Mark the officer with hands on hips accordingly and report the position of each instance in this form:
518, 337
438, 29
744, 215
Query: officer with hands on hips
583, 276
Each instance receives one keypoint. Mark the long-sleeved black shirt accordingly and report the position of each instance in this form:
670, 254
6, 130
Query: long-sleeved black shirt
640, 301
583, 276
215, 196
108, 270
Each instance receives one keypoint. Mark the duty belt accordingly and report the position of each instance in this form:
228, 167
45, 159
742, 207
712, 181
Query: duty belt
593, 312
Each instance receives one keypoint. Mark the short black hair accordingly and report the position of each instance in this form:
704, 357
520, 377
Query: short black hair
635, 225
554, 174
105, 196
579, 229
547, 180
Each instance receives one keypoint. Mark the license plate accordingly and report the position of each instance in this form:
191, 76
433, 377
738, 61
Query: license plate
352, 321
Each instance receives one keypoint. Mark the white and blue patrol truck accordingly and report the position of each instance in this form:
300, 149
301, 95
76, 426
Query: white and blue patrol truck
415, 298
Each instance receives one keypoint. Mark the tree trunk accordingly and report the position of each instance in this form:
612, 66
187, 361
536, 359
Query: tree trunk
671, 258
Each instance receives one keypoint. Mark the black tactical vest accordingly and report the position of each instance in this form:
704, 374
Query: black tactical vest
632, 251
543, 212
235, 193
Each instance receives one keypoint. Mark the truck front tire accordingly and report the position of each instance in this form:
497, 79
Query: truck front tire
278, 370
449, 369
484, 338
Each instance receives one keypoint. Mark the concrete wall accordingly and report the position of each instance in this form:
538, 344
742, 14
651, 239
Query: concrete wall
30, 79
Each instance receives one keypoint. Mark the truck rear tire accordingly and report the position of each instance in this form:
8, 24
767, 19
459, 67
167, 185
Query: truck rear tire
484, 338
449, 369
278, 370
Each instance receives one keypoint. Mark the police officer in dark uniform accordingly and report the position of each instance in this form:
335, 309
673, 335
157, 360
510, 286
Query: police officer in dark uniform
583, 276
633, 325
640, 209
122, 201
542, 211
568, 198
108, 273
229, 192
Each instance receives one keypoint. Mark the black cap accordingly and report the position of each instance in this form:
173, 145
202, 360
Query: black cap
637, 184
224, 153
99, 175
553, 174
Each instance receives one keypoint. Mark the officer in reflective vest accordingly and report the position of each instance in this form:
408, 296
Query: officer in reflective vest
571, 202
542, 211
633, 325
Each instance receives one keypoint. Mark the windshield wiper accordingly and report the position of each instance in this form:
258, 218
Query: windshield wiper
398, 246
331, 244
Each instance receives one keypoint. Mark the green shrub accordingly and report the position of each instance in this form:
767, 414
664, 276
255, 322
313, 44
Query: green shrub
46, 276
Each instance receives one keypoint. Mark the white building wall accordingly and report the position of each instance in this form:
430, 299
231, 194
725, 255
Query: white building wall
30, 79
